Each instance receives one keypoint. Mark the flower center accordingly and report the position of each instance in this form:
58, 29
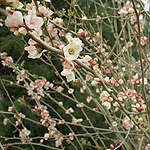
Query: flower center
71, 51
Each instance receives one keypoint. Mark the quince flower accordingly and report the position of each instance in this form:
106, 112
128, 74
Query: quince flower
107, 105
14, 20
45, 11
33, 53
143, 40
32, 21
69, 74
127, 123
127, 9
72, 50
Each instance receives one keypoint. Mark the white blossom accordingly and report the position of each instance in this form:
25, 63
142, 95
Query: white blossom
72, 50
107, 105
69, 74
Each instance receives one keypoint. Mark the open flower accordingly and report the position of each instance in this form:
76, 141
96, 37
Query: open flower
33, 52
127, 123
32, 21
14, 20
69, 74
127, 9
68, 67
107, 105
72, 50
45, 11
143, 40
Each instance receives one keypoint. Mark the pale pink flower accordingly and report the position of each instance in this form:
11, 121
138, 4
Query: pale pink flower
58, 143
118, 1
32, 21
45, 11
33, 52
133, 19
83, 33
86, 60
18, 122
127, 123
122, 39
69, 111
106, 79
88, 99
58, 21
98, 18
73, 49
88, 77
84, 18
21, 115
11, 108
68, 36
122, 95
46, 136
128, 8
129, 44
71, 136
14, 20
82, 90
24, 133
80, 32
32, 86
5, 121
69, 74
143, 40
19, 79
40, 91
24, 73
123, 11
75, 121
40, 82
80, 105
8, 61
68, 65
135, 79
60, 103
61, 121
147, 147
47, 85
143, 108
59, 89
114, 82
104, 96
106, 104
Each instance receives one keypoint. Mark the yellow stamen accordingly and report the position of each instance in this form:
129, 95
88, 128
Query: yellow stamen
71, 51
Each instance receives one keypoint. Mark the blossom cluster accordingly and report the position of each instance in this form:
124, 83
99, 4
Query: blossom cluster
102, 77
